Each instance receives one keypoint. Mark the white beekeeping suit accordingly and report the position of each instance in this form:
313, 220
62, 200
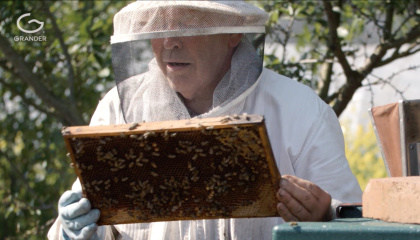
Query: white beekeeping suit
304, 132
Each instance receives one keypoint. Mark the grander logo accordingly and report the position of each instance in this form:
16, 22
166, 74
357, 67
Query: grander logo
36, 38
33, 20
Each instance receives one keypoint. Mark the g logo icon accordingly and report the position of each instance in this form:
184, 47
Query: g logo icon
33, 20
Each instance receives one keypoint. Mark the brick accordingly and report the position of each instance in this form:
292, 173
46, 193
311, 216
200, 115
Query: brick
393, 199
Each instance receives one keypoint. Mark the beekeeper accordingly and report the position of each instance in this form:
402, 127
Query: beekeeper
184, 59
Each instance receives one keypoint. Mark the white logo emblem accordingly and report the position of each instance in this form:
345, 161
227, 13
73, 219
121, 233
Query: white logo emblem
33, 20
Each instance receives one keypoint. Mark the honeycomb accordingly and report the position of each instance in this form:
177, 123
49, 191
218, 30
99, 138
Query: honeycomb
176, 170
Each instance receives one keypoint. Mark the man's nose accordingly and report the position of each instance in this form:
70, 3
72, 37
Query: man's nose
172, 43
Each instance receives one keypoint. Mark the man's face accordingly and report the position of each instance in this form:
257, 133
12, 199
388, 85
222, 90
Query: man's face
195, 65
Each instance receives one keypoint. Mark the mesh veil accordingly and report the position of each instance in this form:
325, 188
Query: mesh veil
145, 93
155, 19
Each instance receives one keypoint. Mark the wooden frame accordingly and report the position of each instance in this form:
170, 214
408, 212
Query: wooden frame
176, 170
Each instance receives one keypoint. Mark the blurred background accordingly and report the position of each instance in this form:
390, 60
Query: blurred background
354, 54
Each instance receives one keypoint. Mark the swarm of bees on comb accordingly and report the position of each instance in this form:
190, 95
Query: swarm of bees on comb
176, 170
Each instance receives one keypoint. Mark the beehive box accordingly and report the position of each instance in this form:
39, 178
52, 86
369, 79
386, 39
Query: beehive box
176, 170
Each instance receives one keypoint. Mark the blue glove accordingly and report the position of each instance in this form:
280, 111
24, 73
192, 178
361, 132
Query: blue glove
77, 219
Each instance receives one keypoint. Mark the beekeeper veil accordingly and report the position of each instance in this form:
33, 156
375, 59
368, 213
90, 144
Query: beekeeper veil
145, 89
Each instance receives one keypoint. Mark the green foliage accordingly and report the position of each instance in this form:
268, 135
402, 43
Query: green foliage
363, 154
330, 38
34, 168
283, 15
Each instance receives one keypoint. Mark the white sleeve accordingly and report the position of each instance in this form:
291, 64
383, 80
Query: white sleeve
306, 136
55, 232
324, 153
108, 110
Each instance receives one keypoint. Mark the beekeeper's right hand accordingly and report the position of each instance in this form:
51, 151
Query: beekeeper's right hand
78, 220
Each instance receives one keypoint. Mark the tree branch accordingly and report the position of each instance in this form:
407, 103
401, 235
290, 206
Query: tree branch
396, 56
411, 36
401, 25
331, 97
69, 114
59, 35
12, 89
389, 17
353, 78
26, 100
375, 58
326, 73
388, 82
335, 45
381, 80
367, 16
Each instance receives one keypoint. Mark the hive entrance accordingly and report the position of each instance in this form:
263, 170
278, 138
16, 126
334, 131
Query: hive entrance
178, 170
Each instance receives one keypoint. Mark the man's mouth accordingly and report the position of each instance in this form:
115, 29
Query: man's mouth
175, 64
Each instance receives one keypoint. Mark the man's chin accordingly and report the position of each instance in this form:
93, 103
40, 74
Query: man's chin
179, 86
185, 95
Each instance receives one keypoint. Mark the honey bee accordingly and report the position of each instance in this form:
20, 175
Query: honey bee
133, 126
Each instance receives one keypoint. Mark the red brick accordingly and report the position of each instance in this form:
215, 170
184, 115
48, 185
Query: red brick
393, 199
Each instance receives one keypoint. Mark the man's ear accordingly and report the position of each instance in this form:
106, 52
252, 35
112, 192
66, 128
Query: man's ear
234, 39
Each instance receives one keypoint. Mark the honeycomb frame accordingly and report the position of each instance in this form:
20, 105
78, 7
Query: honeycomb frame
176, 170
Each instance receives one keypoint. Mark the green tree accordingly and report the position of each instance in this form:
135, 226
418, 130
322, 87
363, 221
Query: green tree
49, 84
333, 40
363, 154
44, 86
